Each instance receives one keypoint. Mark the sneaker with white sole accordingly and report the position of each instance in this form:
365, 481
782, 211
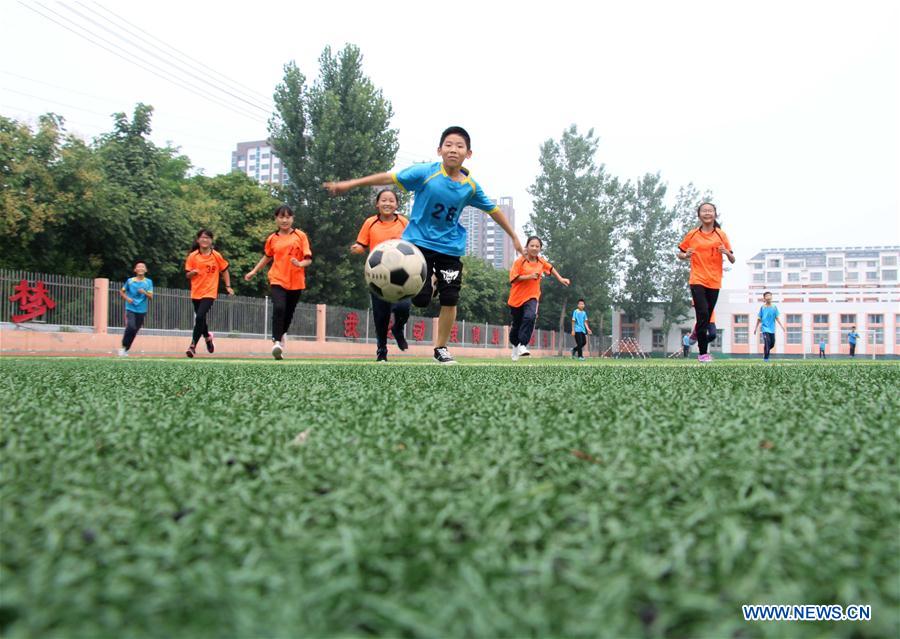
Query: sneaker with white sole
443, 356
123, 352
523, 351
515, 353
277, 350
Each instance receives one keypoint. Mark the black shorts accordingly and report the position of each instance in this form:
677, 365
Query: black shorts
448, 271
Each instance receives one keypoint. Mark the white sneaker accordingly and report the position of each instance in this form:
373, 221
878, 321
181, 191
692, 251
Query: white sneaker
443, 356
123, 352
515, 353
277, 350
523, 351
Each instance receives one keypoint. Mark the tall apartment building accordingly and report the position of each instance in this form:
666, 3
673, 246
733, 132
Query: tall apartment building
835, 267
257, 160
485, 238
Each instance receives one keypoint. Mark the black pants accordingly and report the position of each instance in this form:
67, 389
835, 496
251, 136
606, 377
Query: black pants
381, 316
686, 351
133, 323
704, 304
447, 269
201, 308
284, 302
852, 350
822, 354
580, 341
523, 318
768, 344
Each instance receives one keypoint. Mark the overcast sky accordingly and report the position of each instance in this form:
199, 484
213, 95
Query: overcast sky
787, 111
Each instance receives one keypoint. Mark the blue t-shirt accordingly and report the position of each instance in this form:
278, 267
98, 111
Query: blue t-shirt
768, 314
822, 345
135, 289
578, 320
439, 201
686, 340
852, 337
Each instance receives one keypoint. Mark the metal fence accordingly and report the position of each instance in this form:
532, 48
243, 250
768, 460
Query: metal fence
27, 293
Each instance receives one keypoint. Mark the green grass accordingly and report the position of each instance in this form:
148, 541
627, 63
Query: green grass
163, 498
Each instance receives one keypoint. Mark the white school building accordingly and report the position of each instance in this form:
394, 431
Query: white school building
821, 293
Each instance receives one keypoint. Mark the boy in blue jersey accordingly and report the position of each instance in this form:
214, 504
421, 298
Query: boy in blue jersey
136, 291
580, 330
442, 190
768, 315
852, 338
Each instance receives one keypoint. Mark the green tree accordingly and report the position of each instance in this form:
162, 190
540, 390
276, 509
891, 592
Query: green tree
577, 209
346, 124
646, 235
486, 291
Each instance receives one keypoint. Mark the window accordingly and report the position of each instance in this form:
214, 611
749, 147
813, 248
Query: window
794, 335
793, 277
820, 318
872, 276
835, 276
817, 260
759, 277
889, 275
794, 318
265, 155
758, 266
853, 264
852, 277
659, 342
775, 263
871, 264
889, 260
628, 332
741, 335
875, 319
878, 335
795, 264
835, 261
816, 276
820, 336
265, 166
848, 318
773, 276
896, 330
741, 319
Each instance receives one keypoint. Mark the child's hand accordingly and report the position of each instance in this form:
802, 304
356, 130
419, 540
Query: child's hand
566, 281
249, 276
230, 291
723, 250
536, 276
336, 188
129, 300
689, 252
295, 261
357, 249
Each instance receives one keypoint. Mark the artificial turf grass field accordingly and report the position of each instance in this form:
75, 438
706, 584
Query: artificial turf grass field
162, 498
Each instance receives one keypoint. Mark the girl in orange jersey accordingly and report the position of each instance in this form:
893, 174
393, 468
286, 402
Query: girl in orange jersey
289, 252
525, 278
203, 267
704, 247
386, 224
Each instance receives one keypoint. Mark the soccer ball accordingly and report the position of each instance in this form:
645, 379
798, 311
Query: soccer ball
395, 270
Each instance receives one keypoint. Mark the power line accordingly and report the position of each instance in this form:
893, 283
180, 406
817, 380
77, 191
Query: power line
188, 88
183, 71
235, 84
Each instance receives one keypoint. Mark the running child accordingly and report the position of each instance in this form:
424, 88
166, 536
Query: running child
704, 247
442, 190
289, 252
136, 291
580, 330
852, 338
203, 267
525, 292
386, 224
767, 316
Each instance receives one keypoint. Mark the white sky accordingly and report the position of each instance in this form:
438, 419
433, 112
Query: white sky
788, 111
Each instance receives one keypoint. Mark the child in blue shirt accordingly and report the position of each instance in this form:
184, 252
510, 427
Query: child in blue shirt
442, 190
822, 345
580, 330
767, 317
852, 337
136, 291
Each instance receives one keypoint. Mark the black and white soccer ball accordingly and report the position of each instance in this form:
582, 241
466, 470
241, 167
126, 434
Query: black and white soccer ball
395, 270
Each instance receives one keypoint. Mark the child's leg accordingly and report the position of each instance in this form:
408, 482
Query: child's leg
516, 324
701, 296
401, 316
529, 316
279, 305
201, 308
381, 317
448, 272
445, 325
133, 323
292, 297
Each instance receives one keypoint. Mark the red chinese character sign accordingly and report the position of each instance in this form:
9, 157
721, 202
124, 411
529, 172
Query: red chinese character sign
351, 325
418, 330
532, 340
33, 301
495, 336
545, 340
454, 333
476, 334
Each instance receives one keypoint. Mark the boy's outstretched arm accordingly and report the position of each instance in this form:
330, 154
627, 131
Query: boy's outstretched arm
376, 179
500, 218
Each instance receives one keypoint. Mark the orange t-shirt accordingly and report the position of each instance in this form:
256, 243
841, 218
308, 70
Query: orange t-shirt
706, 262
373, 231
206, 282
282, 248
524, 290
